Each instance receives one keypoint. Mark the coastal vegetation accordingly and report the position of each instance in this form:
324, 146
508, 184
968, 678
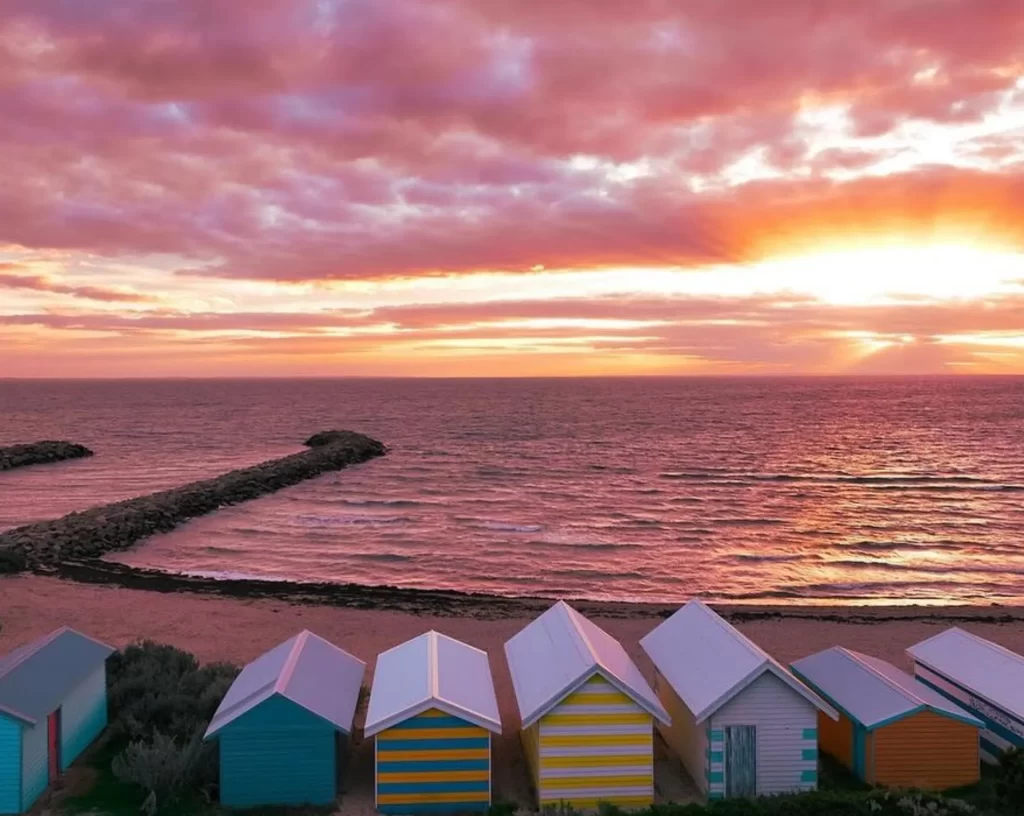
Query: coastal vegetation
118, 526
40, 453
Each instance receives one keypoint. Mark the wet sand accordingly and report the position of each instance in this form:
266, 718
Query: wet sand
237, 629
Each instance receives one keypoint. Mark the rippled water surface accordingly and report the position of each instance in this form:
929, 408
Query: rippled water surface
881, 490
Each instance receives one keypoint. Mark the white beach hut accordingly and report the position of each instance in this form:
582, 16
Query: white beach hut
587, 713
741, 723
432, 710
980, 676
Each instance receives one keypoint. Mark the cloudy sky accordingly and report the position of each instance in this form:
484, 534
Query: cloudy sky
522, 187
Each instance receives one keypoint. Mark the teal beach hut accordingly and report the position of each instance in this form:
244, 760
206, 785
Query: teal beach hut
282, 722
53, 704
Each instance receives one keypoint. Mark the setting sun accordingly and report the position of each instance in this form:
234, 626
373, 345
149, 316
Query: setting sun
895, 274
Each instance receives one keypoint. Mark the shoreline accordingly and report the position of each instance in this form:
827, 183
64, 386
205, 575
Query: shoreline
484, 606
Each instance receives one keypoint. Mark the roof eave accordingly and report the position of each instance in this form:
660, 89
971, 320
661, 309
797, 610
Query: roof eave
20, 716
448, 707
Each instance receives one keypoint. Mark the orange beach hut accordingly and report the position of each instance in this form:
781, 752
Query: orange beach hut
892, 730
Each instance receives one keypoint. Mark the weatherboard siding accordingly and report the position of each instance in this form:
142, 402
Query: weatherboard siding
433, 762
835, 737
786, 734
1002, 729
596, 746
687, 740
35, 767
531, 747
10, 766
924, 750
278, 753
83, 716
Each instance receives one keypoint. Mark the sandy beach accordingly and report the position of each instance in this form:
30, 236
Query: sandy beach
239, 629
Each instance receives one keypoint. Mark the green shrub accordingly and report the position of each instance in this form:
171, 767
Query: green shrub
161, 766
12, 562
153, 688
161, 700
1010, 781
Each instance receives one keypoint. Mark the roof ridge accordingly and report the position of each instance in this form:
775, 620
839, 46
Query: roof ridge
288, 668
905, 692
31, 648
998, 647
735, 633
433, 680
573, 617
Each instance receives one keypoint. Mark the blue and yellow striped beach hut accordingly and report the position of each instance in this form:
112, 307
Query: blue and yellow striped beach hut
588, 713
432, 711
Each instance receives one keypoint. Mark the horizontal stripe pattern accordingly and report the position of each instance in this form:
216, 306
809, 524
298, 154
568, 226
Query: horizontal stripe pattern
995, 737
477, 743
433, 762
596, 745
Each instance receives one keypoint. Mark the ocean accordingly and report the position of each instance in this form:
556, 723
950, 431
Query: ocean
804, 490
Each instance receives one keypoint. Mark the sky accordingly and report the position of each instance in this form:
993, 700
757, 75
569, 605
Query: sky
511, 187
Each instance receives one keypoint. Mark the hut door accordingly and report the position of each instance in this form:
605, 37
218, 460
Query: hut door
53, 743
740, 760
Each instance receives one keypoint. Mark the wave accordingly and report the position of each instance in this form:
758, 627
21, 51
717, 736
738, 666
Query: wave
233, 575
505, 527
894, 480
499, 526
381, 502
599, 574
384, 558
351, 519
769, 559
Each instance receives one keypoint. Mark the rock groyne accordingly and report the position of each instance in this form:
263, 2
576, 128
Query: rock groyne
118, 526
40, 453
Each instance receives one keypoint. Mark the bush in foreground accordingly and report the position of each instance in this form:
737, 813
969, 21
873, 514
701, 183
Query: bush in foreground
1010, 785
161, 700
154, 688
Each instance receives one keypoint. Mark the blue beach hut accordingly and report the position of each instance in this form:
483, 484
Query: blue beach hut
278, 726
432, 710
53, 704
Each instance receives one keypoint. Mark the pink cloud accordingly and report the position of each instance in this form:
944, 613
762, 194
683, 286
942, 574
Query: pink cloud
42, 283
307, 141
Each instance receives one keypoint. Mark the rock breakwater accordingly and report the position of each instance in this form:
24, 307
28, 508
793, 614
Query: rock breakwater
40, 453
118, 526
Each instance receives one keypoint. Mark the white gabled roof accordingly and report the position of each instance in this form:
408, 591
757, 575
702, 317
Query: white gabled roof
432, 671
871, 691
708, 662
990, 671
306, 669
558, 652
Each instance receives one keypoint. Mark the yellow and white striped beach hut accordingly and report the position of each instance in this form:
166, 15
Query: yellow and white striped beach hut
588, 713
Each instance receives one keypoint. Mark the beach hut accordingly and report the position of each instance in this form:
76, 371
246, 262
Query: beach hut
282, 724
432, 711
980, 676
53, 703
892, 730
741, 723
587, 712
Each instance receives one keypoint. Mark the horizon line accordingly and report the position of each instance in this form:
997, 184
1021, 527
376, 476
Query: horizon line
430, 377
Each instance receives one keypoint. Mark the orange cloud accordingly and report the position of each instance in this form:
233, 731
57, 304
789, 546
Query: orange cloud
351, 184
